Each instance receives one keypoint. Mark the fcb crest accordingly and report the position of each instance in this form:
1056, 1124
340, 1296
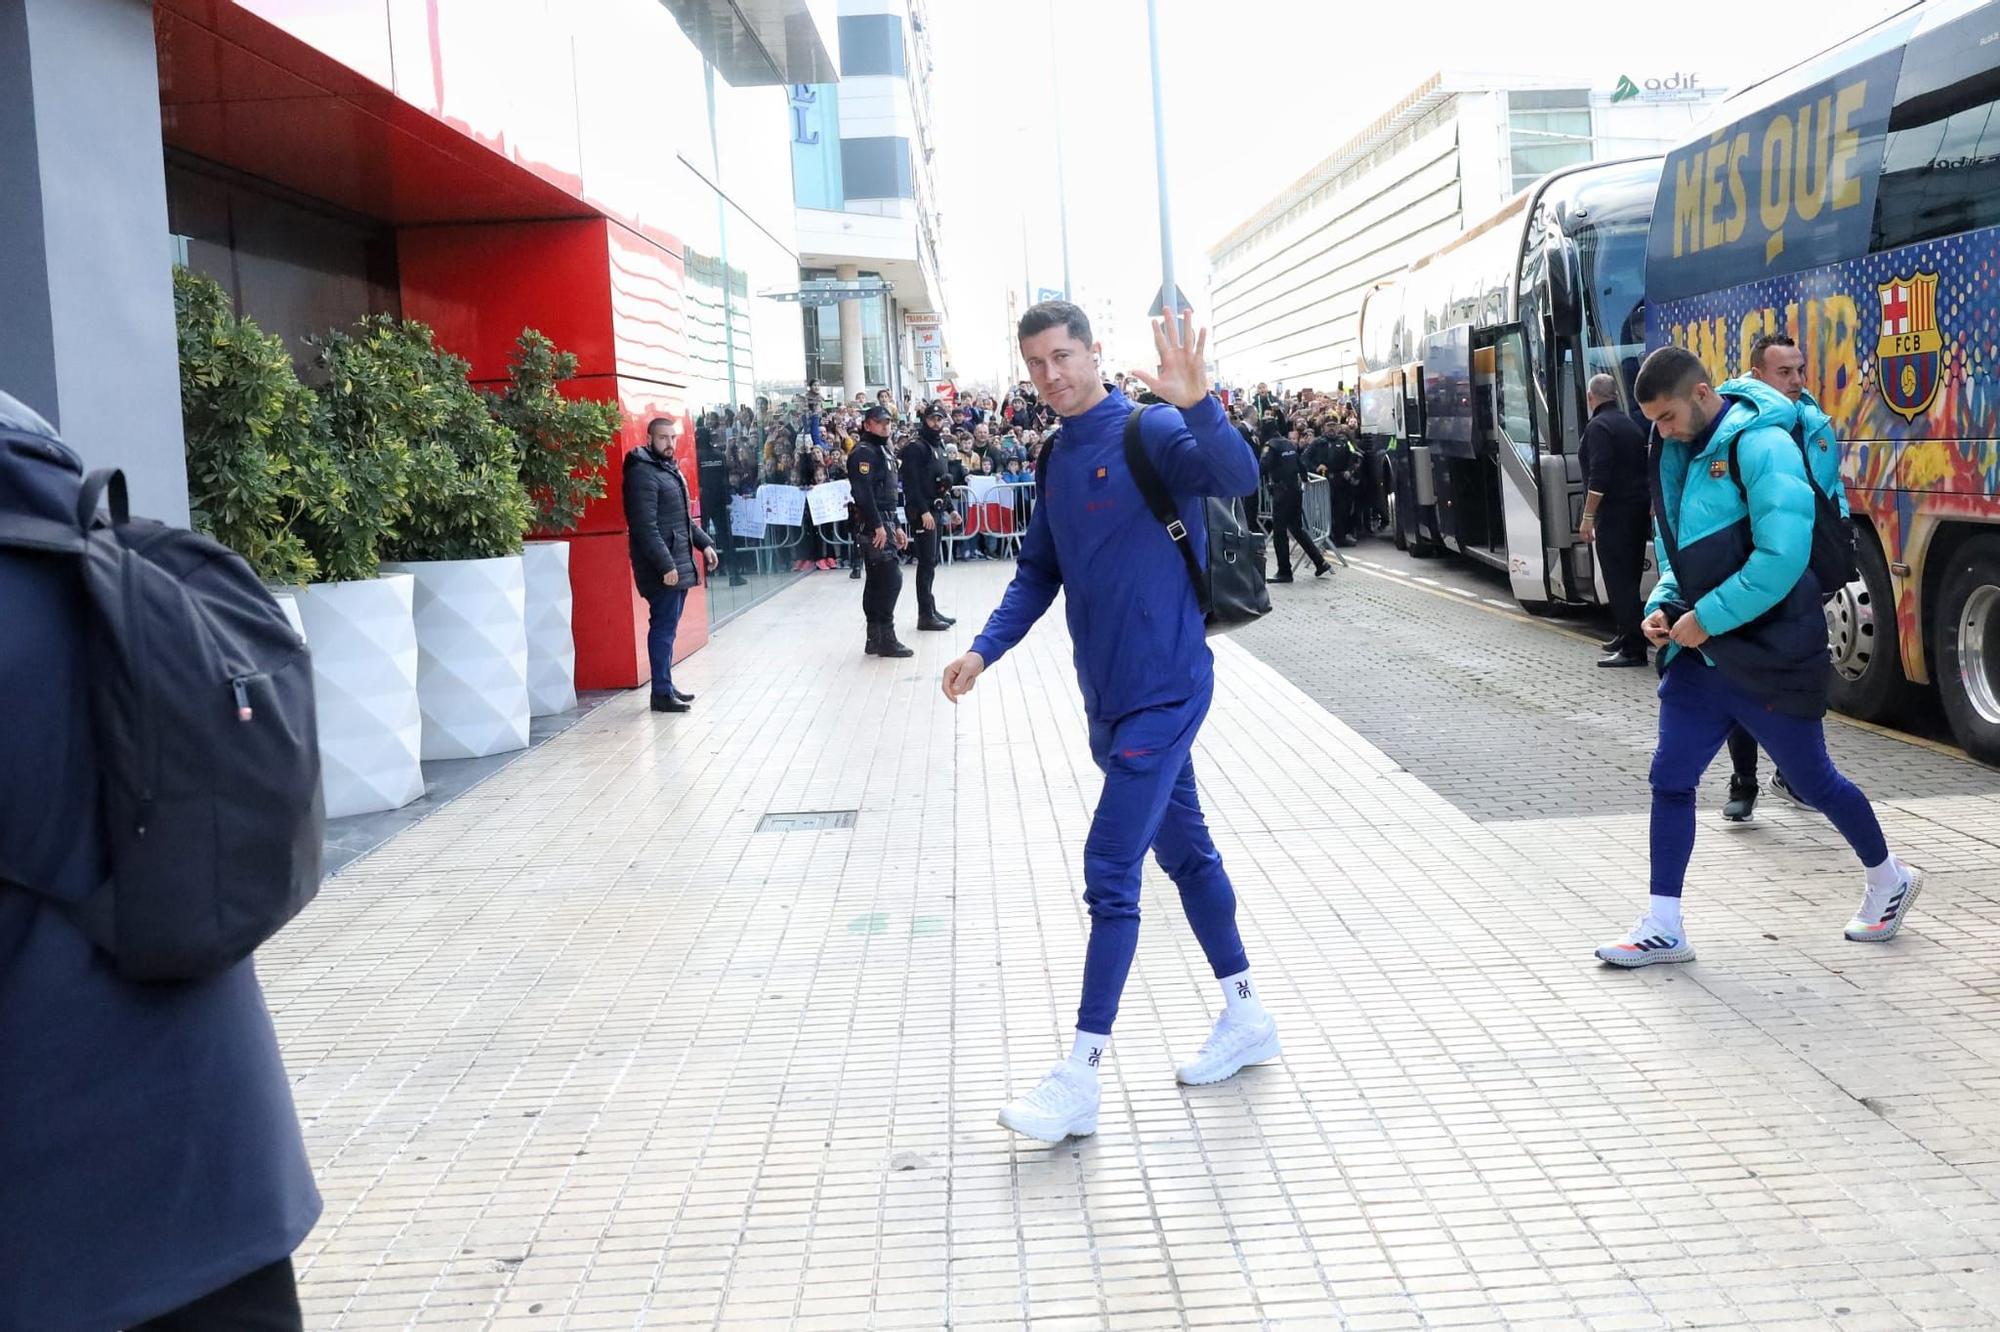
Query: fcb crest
1909, 356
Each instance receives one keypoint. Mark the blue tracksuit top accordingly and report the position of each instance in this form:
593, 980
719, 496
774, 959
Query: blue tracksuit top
1137, 628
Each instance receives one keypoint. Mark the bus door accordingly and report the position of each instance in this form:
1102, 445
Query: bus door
1522, 467
1572, 563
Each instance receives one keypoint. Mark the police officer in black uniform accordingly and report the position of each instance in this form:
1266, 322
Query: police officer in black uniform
872, 479
1284, 467
1345, 488
926, 500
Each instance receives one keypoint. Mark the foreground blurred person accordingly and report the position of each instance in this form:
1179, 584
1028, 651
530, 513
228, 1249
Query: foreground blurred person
1146, 673
152, 1173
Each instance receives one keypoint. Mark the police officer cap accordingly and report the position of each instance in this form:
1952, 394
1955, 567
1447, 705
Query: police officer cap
877, 412
934, 410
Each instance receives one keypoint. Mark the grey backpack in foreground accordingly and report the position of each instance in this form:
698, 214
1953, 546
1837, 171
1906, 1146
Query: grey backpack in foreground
202, 709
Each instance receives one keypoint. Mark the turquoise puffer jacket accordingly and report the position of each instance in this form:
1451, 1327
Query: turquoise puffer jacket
1742, 567
1822, 451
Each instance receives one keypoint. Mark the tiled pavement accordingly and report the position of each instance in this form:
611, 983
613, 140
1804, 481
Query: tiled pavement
584, 1050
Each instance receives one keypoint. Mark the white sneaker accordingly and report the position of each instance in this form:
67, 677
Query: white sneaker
1883, 911
1647, 943
1231, 1045
1062, 1105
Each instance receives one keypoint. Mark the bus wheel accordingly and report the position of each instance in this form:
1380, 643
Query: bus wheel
1967, 633
1868, 680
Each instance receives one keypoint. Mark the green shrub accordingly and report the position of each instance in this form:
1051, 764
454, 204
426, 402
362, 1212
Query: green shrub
368, 422
260, 475
560, 443
439, 472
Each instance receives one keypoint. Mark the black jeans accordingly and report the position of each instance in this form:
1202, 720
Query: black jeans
1742, 757
925, 544
265, 1301
885, 582
1344, 505
1288, 522
1622, 532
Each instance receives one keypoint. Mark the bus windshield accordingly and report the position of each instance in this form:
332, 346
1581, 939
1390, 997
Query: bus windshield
1608, 222
1613, 257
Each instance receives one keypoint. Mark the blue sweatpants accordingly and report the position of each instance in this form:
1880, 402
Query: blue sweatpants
1697, 708
1149, 803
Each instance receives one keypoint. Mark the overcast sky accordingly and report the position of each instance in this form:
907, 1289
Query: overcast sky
1258, 92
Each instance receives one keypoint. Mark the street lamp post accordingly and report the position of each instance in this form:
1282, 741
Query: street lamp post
1169, 293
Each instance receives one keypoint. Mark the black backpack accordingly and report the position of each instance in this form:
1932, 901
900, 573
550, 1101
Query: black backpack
1231, 590
201, 700
1833, 562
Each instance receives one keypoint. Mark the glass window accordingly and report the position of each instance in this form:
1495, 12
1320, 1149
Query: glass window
296, 266
1942, 176
815, 129
1547, 131
871, 44
875, 342
876, 168
1511, 388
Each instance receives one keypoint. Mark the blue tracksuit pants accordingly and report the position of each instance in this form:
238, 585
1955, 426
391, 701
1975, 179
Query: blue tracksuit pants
1697, 709
1149, 803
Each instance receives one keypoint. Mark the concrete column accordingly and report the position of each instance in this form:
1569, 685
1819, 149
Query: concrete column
853, 356
86, 284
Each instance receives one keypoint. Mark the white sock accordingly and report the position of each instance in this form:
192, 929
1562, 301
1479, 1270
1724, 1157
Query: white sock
1666, 912
1088, 1052
1888, 874
1239, 997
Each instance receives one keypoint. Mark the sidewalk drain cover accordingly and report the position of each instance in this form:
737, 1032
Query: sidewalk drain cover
807, 820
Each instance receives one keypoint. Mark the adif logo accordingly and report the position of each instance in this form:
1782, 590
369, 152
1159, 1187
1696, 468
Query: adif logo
1626, 89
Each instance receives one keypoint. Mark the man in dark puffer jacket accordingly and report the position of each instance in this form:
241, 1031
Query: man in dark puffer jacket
663, 540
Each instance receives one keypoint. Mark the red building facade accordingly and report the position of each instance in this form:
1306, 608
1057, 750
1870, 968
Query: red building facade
491, 165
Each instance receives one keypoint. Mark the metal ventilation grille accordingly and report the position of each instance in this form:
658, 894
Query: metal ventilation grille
808, 820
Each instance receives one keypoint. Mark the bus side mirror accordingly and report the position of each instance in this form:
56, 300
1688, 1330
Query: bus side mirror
1560, 278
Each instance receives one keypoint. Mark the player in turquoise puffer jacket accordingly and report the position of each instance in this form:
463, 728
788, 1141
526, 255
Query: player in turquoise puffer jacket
1743, 642
1742, 553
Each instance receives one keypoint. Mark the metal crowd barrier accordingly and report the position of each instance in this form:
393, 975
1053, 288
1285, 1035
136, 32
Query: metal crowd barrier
1318, 516
838, 538
764, 550
977, 521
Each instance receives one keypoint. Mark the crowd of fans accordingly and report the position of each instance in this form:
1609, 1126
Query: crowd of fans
1325, 427
806, 440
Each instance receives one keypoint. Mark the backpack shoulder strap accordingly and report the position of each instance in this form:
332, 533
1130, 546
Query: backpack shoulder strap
1042, 462
1805, 459
1154, 491
1655, 455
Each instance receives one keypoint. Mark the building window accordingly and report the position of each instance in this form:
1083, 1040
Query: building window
296, 265
876, 168
1547, 131
871, 44
815, 119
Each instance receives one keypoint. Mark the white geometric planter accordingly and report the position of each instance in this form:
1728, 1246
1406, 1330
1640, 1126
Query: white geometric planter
364, 656
288, 602
551, 644
472, 655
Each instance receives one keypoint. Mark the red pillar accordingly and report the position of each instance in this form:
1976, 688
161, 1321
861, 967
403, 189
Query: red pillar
613, 298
